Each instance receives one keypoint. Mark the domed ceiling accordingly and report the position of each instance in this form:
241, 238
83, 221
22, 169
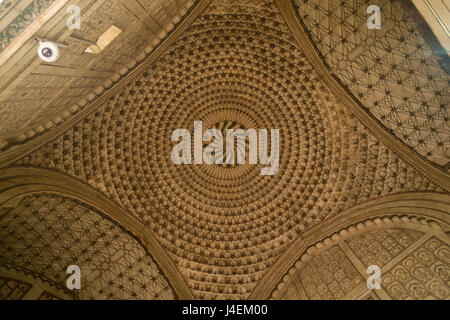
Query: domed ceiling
239, 65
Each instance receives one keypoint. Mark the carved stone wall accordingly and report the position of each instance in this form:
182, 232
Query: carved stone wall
330, 275
11, 288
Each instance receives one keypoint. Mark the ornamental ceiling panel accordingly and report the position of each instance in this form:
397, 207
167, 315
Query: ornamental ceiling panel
35, 95
14, 289
224, 226
396, 72
414, 262
11, 289
16, 15
46, 233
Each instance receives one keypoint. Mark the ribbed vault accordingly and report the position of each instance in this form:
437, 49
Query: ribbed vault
224, 227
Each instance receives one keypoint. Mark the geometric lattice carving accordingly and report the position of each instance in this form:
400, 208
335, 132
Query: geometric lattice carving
392, 71
11, 289
224, 227
47, 233
424, 274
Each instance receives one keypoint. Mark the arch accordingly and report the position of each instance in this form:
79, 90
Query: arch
434, 171
16, 183
427, 212
24, 286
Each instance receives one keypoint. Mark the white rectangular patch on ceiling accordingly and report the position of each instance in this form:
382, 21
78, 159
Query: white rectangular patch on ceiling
104, 40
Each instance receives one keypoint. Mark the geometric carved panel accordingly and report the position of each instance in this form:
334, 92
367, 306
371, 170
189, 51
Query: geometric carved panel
423, 274
329, 276
381, 246
47, 233
11, 289
47, 296
393, 71
414, 265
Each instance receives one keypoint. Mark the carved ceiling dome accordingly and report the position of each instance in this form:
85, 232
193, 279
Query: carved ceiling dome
224, 227
359, 147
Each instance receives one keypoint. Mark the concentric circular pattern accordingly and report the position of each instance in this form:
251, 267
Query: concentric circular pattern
224, 227
221, 128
